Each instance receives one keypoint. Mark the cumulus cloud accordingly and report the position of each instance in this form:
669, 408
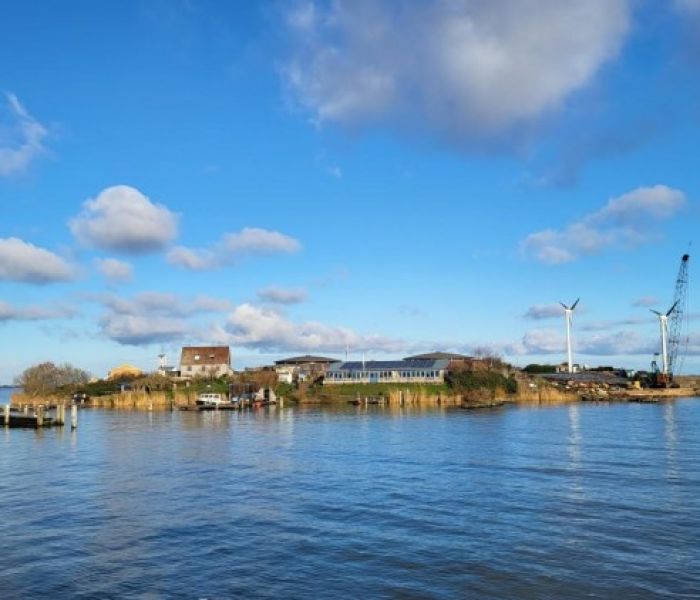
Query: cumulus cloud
21, 139
163, 304
544, 311
115, 271
233, 247
269, 330
9, 312
612, 343
122, 219
24, 262
151, 317
135, 330
283, 295
460, 69
626, 220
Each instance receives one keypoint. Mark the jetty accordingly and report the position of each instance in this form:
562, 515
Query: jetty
39, 417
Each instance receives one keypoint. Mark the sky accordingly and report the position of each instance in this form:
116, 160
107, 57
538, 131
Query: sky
380, 178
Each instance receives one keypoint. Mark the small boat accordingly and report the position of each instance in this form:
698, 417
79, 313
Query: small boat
209, 399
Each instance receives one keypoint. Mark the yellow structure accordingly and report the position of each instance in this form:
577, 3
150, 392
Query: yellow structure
122, 371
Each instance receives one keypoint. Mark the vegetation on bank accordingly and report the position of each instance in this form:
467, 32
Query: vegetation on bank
47, 377
471, 381
65, 380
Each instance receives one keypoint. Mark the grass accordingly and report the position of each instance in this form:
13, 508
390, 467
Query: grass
378, 389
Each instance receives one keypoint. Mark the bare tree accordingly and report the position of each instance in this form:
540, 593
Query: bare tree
47, 377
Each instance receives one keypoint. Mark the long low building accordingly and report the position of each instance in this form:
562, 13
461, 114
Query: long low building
387, 371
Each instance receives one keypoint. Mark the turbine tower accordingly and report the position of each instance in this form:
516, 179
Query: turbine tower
568, 316
663, 326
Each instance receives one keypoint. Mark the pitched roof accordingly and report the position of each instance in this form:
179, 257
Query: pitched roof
205, 355
306, 359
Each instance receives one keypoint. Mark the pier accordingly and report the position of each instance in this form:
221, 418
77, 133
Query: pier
39, 417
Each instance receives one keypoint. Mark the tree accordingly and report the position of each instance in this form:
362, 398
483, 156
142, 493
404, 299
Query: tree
47, 377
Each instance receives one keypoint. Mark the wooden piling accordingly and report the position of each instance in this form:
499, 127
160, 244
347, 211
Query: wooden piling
25, 409
7, 415
74, 416
40, 416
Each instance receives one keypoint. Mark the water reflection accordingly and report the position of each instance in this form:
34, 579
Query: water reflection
671, 441
378, 501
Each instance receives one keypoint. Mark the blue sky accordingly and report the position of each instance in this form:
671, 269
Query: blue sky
305, 176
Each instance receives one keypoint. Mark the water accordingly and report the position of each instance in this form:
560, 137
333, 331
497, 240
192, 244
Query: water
581, 501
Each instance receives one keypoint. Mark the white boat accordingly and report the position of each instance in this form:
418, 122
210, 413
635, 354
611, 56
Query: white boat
210, 399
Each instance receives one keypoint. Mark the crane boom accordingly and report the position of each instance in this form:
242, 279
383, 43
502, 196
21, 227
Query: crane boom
676, 319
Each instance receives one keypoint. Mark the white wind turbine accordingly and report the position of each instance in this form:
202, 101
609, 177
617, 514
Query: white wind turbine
568, 316
663, 326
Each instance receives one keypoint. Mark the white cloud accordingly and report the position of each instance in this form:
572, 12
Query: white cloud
122, 219
627, 220
460, 69
544, 311
269, 330
282, 295
163, 304
232, 247
646, 301
151, 317
253, 240
138, 330
613, 343
22, 261
22, 140
115, 271
8, 312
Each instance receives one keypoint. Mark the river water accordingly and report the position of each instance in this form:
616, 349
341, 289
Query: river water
579, 501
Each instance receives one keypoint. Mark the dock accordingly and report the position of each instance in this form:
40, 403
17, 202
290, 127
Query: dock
38, 417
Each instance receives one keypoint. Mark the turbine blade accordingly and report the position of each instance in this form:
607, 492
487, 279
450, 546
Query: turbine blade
573, 306
656, 312
564, 305
670, 310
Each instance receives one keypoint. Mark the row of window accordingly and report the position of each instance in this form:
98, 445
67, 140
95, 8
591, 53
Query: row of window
383, 374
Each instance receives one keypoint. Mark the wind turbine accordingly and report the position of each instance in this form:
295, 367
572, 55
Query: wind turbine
568, 316
663, 325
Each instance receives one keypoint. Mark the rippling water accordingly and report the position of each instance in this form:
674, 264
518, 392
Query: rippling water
576, 501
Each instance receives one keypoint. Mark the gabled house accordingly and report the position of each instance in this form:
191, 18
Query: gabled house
205, 361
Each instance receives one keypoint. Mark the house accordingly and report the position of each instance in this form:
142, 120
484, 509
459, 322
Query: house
205, 361
301, 368
388, 371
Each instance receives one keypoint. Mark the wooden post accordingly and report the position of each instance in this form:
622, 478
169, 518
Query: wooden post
7, 415
40, 415
74, 416
61, 414
26, 409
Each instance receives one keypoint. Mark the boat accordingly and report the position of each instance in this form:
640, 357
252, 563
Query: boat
210, 399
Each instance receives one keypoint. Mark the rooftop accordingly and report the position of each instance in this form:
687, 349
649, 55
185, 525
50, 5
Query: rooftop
306, 359
205, 355
390, 365
439, 356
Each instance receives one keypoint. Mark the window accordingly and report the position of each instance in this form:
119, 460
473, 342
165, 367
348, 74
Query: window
196, 356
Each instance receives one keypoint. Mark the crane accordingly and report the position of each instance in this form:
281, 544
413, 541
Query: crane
673, 337
677, 337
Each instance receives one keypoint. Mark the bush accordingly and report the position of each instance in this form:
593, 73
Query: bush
468, 381
47, 377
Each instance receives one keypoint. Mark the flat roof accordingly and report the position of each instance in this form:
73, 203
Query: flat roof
390, 365
306, 359
439, 356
